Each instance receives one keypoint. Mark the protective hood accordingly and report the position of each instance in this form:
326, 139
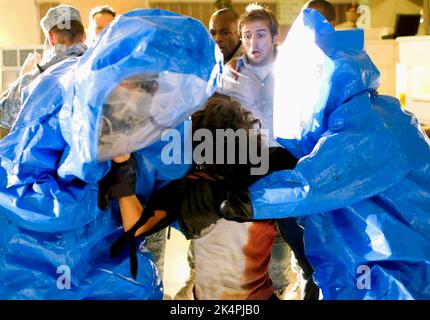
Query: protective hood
54, 239
313, 62
149, 71
362, 183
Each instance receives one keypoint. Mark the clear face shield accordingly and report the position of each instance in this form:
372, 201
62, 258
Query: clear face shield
126, 114
140, 108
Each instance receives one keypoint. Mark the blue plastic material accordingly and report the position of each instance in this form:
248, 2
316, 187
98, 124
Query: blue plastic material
362, 183
134, 46
54, 241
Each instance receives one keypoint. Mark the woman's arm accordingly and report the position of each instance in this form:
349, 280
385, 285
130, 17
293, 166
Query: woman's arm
132, 210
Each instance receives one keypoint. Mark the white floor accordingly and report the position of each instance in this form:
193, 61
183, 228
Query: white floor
176, 269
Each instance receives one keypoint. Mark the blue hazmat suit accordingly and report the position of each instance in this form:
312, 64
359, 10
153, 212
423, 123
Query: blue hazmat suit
54, 240
362, 184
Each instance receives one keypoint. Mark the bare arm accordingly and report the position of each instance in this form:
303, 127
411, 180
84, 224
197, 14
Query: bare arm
131, 209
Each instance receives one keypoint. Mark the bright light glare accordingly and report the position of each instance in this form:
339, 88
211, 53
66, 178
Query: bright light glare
302, 74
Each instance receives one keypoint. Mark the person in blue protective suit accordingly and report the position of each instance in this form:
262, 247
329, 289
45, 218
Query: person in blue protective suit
54, 237
135, 91
212, 206
362, 181
65, 37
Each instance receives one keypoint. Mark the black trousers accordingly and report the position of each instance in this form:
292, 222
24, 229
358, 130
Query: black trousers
294, 236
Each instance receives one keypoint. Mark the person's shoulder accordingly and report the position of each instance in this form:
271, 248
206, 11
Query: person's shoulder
233, 67
236, 63
239, 52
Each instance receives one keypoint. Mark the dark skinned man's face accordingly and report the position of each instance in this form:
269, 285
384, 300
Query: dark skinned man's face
223, 29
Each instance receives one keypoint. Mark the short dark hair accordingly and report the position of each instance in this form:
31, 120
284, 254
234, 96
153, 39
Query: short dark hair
226, 11
256, 12
69, 35
324, 7
103, 9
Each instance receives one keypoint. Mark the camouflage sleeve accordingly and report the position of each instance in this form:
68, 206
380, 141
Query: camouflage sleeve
10, 100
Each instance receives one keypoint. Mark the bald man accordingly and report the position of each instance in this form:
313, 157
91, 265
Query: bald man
223, 28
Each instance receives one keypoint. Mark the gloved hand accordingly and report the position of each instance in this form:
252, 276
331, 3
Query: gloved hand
235, 204
119, 182
310, 290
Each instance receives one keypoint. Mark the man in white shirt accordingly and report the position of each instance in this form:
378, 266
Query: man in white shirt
250, 78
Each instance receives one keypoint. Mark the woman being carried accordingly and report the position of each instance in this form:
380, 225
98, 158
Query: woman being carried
212, 205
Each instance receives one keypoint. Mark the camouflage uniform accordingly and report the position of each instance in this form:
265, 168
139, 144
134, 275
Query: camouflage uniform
10, 100
156, 244
284, 276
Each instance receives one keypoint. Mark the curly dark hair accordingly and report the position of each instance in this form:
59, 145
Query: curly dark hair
225, 113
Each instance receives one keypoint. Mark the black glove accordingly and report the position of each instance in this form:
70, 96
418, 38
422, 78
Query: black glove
119, 182
235, 204
129, 236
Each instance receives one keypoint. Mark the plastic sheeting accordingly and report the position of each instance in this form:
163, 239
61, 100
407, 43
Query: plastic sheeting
177, 65
54, 241
363, 181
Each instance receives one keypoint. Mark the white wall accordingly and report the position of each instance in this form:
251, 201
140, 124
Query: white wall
384, 11
19, 23
120, 6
